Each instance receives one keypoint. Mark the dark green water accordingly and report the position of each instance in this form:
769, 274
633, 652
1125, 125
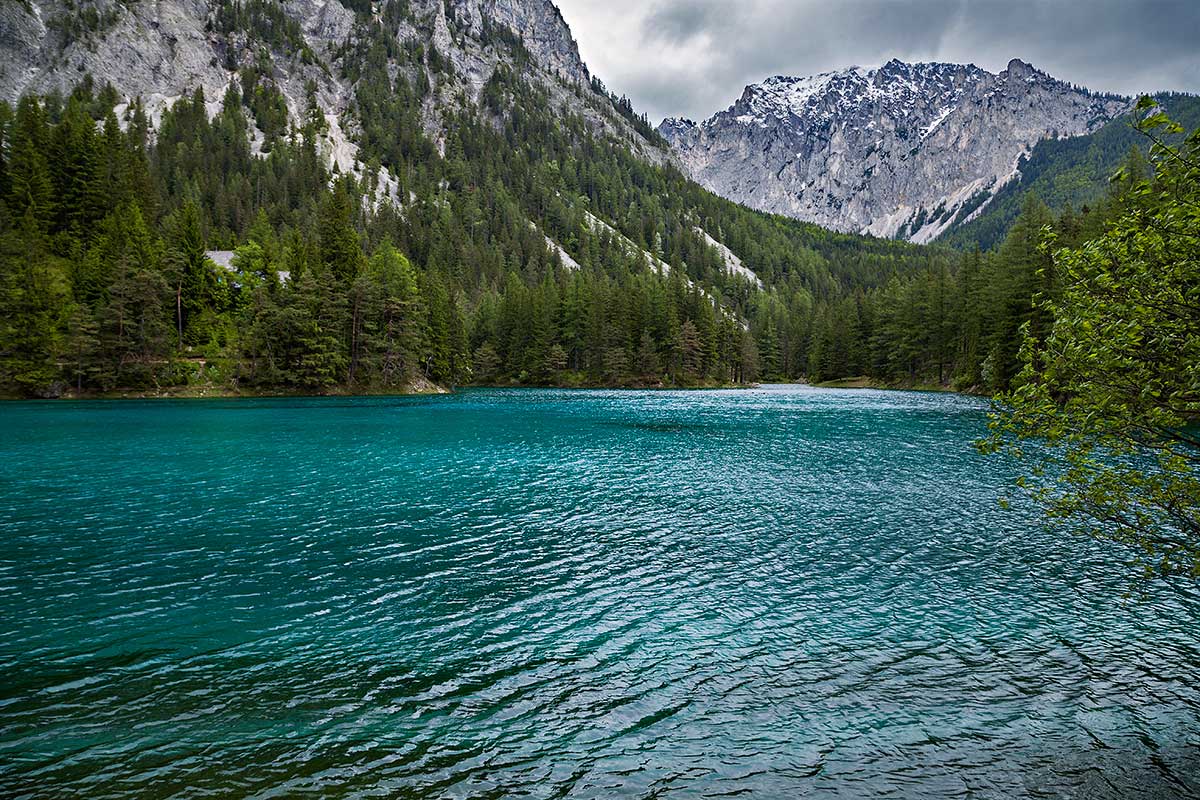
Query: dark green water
778, 593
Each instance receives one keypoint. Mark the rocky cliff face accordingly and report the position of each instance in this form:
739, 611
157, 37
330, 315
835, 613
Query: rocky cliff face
148, 47
905, 150
538, 23
158, 50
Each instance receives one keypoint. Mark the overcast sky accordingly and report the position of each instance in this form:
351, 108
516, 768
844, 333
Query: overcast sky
693, 57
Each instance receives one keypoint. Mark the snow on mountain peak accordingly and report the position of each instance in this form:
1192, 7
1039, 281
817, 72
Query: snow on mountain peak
895, 87
901, 149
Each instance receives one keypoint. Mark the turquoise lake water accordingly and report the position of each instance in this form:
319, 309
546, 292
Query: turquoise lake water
774, 593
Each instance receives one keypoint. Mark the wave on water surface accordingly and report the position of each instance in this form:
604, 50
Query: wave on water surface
782, 592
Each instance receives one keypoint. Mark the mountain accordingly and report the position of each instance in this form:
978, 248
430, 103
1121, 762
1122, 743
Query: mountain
904, 151
159, 51
341, 195
352, 196
1072, 173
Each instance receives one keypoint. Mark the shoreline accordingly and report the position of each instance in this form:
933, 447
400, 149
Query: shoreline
864, 382
216, 393
421, 388
418, 388
425, 388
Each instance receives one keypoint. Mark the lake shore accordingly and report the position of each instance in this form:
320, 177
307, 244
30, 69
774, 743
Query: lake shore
417, 388
422, 387
864, 382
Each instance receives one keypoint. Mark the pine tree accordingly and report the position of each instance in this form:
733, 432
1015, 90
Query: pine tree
691, 351
315, 321
200, 292
31, 191
648, 364
134, 320
387, 319
34, 300
78, 172
80, 345
341, 251
1020, 263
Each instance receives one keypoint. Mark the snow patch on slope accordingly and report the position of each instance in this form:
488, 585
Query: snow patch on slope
599, 226
733, 264
897, 87
555, 247
933, 126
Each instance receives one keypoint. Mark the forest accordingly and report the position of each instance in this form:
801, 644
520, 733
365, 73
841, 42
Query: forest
446, 275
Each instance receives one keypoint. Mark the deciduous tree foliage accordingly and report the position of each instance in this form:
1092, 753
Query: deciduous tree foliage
1108, 395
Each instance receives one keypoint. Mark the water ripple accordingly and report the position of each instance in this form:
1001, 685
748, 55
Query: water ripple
773, 593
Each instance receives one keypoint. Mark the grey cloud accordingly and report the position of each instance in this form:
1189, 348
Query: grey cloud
680, 21
693, 57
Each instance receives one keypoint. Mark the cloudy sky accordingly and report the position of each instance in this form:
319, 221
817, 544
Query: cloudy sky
693, 57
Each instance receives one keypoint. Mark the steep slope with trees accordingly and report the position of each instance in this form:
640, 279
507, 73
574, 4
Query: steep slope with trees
519, 242
1066, 173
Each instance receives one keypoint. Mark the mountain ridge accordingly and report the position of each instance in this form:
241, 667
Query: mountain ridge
898, 151
157, 52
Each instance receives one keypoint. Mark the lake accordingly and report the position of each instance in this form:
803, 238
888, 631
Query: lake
782, 592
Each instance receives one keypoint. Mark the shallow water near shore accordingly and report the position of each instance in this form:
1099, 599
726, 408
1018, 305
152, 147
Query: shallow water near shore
781, 592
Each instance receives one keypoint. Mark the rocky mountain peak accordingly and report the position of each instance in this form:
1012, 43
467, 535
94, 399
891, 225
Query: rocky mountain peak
162, 50
538, 23
676, 127
164, 46
896, 88
1019, 70
898, 150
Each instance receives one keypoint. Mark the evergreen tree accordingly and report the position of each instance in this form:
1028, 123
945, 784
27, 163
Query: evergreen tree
341, 251
35, 297
30, 189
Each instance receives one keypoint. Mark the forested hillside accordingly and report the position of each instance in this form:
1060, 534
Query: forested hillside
518, 242
1067, 173
106, 223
